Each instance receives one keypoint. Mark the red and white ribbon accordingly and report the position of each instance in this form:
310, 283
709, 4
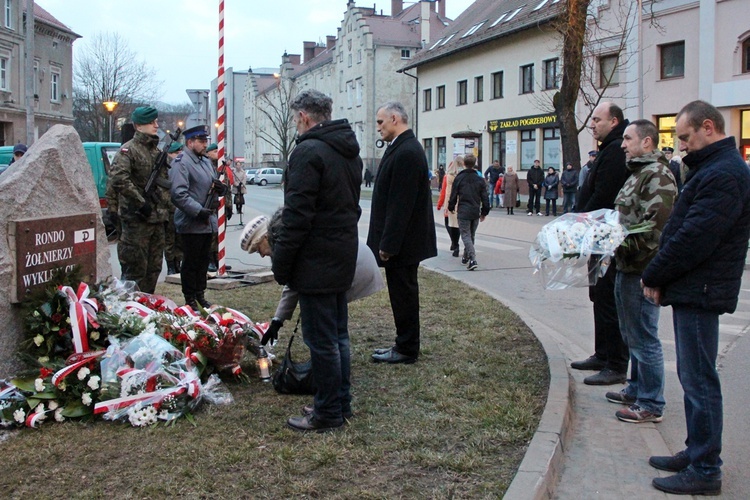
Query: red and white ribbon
78, 320
75, 362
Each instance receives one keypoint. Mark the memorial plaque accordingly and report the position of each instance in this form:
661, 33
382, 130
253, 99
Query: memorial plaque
42, 246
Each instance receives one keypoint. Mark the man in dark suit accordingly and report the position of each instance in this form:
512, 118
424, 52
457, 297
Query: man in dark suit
402, 229
605, 179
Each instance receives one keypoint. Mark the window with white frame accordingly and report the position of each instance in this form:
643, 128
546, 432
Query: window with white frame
54, 85
462, 91
9, 14
608, 71
440, 104
672, 60
497, 85
359, 92
405, 54
427, 99
349, 93
478, 88
35, 83
4, 71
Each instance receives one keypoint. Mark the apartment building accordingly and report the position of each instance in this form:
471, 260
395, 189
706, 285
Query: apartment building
52, 78
358, 68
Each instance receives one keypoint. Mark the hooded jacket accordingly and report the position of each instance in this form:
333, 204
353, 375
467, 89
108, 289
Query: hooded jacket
648, 195
470, 193
703, 247
315, 251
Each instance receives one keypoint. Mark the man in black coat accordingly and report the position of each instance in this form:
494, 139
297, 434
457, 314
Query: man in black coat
698, 271
402, 229
315, 252
605, 179
535, 178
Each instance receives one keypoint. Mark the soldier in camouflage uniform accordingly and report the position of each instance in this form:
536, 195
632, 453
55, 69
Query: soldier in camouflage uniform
143, 216
172, 240
648, 195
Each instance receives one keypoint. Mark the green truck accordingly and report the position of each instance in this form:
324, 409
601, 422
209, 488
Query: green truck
100, 156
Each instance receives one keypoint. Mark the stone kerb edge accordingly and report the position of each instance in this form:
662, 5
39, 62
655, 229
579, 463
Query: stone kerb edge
541, 466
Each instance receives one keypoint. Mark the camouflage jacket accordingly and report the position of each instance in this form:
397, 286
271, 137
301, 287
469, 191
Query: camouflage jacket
648, 195
130, 171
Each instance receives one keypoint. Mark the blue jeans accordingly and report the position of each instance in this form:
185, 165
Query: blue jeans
497, 198
569, 202
639, 326
325, 321
696, 334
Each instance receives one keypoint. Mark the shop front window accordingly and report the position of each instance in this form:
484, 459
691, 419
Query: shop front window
498, 147
528, 149
667, 136
441, 150
552, 152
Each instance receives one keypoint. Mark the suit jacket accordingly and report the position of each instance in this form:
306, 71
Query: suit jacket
401, 220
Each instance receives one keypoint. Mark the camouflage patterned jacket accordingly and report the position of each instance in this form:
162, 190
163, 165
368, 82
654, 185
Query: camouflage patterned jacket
648, 195
130, 171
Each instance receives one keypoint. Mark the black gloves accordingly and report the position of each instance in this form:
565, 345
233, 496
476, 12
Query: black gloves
144, 212
228, 211
204, 214
273, 331
218, 187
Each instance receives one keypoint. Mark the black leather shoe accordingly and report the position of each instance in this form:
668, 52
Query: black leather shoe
190, 301
674, 463
590, 363
455, 252
307, 410
606, 377
391, 356
688, 482
308, 423
201, 298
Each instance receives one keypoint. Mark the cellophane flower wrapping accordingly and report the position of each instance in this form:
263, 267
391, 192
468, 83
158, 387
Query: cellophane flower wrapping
576, 249
120, 354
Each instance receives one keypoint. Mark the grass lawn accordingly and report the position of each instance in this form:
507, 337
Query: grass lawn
454, 425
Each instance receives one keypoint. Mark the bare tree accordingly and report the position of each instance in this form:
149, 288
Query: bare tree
107, 70
275, 107
584, 41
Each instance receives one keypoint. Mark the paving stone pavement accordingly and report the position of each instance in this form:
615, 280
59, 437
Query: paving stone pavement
599, 456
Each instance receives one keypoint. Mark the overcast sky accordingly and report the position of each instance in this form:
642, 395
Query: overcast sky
179, 38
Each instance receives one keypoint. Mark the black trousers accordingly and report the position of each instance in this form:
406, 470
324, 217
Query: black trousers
534, 196
196, 250
403, 289
609, 345
453, 232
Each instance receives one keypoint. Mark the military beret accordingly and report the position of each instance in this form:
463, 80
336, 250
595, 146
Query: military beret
212, 147
175, 146
667, 149
198, 131
254, 231
592, 153
144, 115
19, 148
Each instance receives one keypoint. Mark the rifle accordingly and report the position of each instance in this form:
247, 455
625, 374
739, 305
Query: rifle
161, 161
212, 193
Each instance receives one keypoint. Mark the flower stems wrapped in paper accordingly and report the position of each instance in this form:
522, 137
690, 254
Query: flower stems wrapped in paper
576, 249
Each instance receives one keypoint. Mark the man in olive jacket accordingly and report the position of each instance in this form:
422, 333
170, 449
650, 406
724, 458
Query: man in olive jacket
142, 215
402, 228
315, 252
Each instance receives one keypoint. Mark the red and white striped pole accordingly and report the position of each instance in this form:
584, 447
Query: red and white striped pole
220, 141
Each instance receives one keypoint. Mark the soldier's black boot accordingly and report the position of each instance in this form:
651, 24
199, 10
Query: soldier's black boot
201, 298
190, 301
170, 267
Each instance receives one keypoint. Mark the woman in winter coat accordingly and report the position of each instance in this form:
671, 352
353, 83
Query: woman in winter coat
510, 190
550, 190
451, 219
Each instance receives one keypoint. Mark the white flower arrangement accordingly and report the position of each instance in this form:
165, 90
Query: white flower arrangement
83, 373
19, 416
141, 416
93, 382
86, 398
39, 385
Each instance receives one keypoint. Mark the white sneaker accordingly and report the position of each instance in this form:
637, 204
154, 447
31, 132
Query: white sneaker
539, 214
529, 214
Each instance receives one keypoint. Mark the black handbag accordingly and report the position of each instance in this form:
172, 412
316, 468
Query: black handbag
518, 200
294, 378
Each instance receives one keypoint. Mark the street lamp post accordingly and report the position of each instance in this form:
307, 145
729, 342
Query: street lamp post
110, 107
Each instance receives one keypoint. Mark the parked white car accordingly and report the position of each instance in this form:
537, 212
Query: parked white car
268, 176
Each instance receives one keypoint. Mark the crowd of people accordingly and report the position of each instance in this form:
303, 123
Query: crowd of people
692, 258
